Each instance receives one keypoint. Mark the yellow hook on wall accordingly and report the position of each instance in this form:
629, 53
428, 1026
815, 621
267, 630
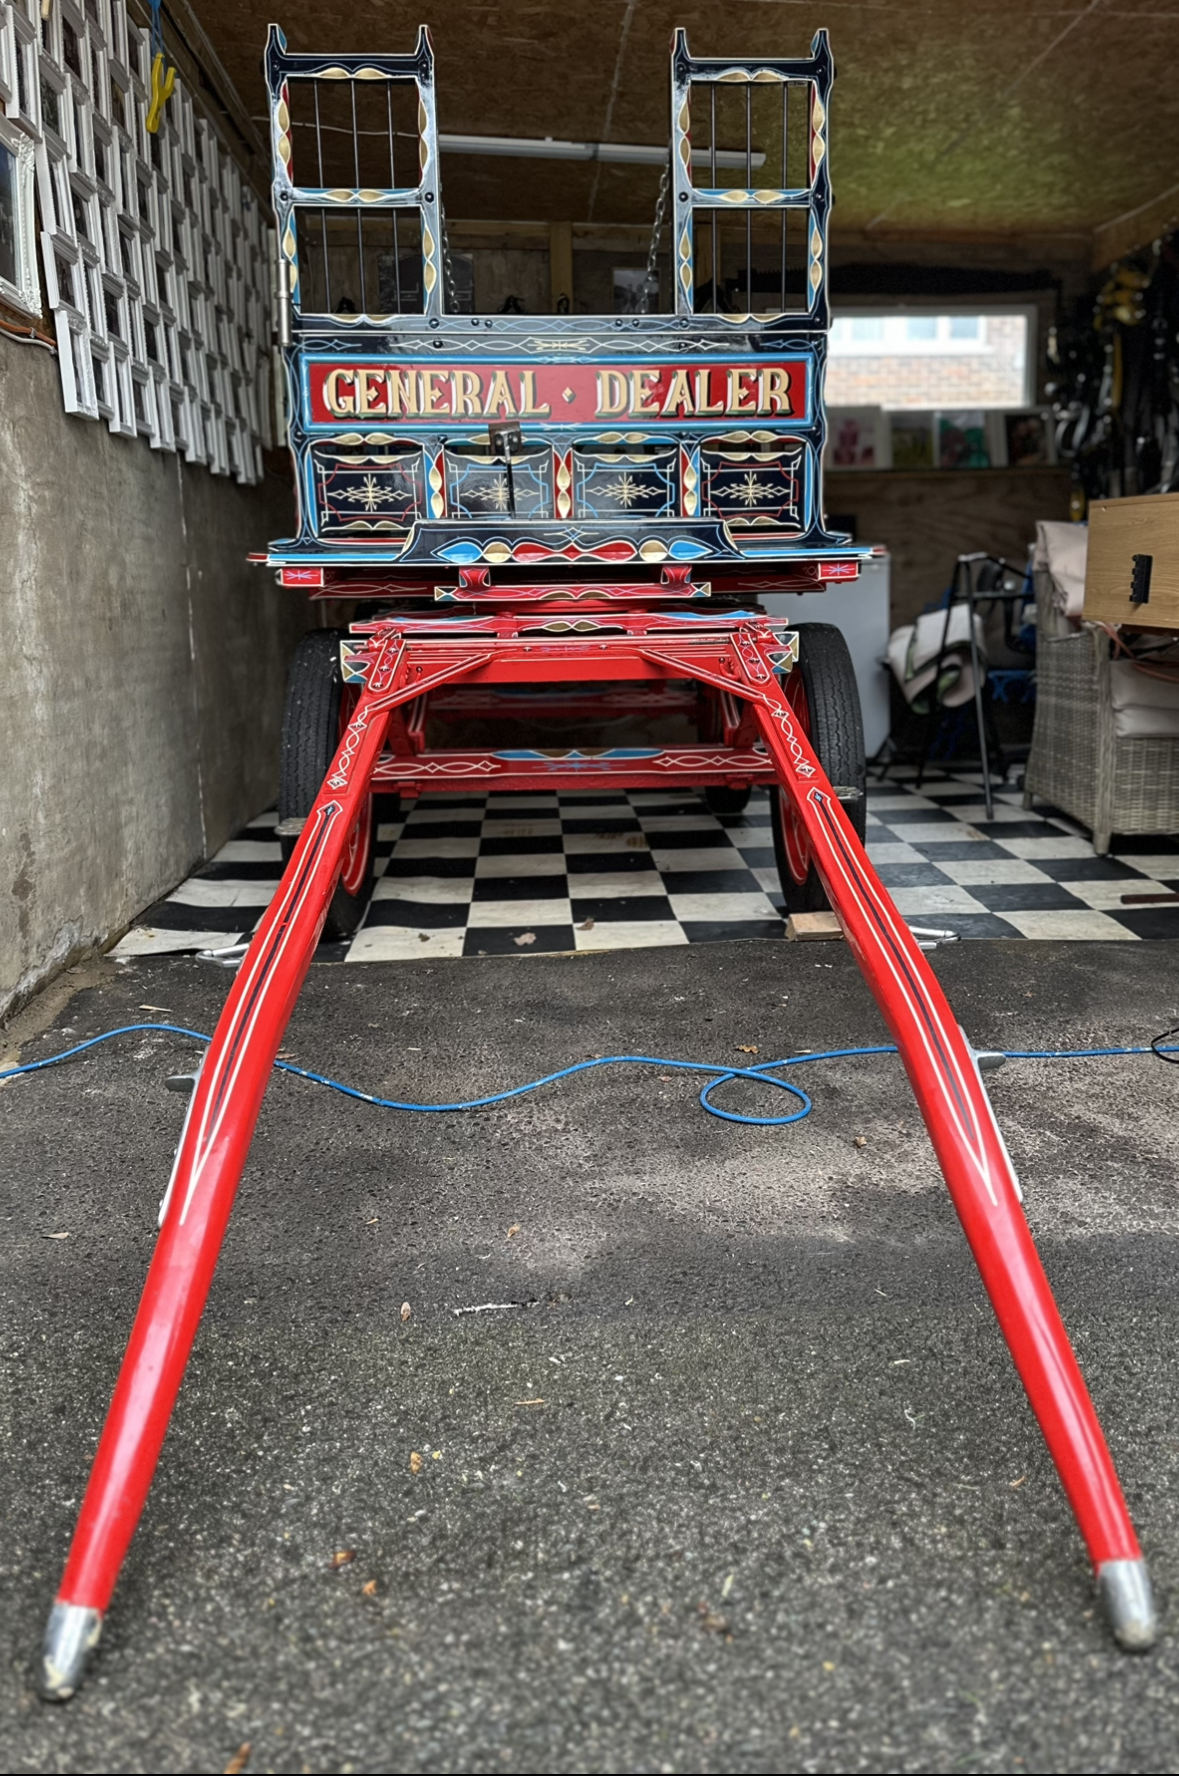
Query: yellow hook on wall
161, 92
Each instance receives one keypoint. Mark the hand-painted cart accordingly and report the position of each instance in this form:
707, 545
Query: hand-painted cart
579, 511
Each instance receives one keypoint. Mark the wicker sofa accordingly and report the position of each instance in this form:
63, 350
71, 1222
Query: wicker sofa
1112, 783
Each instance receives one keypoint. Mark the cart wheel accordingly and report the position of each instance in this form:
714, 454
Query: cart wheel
318, 708
727, 801
823, 696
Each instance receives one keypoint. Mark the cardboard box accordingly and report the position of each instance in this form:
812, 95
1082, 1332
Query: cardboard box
1146, 526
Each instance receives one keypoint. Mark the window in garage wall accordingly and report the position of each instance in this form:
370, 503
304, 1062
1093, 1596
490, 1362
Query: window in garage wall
924, 359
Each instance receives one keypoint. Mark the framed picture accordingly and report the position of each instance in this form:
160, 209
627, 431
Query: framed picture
19, 283
963, 441
630, 287
857, 438
1028, 439
911, 440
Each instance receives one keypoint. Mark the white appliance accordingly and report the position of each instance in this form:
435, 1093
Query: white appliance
859, 609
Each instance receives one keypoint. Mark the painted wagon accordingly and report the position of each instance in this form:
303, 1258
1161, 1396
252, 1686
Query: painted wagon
573, 516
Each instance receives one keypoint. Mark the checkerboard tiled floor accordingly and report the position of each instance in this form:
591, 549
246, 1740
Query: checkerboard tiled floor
495, 874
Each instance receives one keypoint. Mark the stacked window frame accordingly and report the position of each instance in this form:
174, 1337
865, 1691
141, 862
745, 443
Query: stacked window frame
155, 253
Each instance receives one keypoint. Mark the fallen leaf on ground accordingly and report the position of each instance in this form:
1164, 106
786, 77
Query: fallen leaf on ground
343, 1557
436, 1456
406, 1310
369, 1590
529, 1402
239, 1760
166, 1008
513, 1230
710, 1621
423, 937
1018, 1482
525, 937
586, 925
860, 1141
416, 1464
747, 1048
56, 1236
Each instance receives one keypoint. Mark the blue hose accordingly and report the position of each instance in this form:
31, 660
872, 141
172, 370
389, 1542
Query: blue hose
764, 1073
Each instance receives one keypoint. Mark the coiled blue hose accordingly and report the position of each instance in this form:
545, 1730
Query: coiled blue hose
764, 1073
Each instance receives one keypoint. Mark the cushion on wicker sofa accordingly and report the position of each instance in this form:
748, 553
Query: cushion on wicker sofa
1144, 707
1063, 549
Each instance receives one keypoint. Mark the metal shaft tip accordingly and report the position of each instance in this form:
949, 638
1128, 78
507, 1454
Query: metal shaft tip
71, 1635
1129, 1603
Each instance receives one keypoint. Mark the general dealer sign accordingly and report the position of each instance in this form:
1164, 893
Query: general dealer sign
562, 394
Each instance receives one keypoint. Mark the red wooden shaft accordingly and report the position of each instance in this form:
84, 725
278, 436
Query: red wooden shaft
216, 1138
966, 1139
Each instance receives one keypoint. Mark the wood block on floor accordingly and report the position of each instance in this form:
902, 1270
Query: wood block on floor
812, 927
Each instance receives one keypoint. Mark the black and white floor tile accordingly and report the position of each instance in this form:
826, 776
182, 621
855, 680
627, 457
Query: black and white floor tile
499, 874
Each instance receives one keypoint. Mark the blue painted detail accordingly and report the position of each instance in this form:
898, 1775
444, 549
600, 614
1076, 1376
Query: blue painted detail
460, 554
684, 549
582, 758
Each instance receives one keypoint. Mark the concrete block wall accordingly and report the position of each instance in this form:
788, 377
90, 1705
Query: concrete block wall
142, 665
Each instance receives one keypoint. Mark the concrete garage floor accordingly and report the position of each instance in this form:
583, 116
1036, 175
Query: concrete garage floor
783, 1505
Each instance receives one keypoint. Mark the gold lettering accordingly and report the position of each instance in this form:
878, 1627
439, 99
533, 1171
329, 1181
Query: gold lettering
679, 395
737, 394
642, 396
466, 391
611, 393
499, 395
775, 391
703, 404
431, 394
336, 399
403, 395
528, 404
747, 397
373, 385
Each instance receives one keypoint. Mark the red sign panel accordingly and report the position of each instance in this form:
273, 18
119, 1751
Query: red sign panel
563, 394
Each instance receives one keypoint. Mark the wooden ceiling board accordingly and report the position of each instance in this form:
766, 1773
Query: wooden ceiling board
1044, 117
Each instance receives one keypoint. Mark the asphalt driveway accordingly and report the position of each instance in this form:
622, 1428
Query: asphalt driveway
748, 1484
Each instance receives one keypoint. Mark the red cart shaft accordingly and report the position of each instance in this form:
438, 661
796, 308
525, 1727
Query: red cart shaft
232, 1083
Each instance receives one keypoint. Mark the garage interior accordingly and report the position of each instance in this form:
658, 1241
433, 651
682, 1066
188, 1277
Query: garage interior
587, 1430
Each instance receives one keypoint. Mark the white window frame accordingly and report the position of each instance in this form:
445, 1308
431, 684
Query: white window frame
195, 267
24, 292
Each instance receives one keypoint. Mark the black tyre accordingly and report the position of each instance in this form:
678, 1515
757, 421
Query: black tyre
727, 801
824, 697
317, 709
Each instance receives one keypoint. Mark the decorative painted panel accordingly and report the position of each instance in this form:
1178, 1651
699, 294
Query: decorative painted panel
753, 481
482, 486
626, 475
368, 488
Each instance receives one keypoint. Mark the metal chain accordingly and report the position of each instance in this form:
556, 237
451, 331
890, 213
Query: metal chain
651, 284
448, 283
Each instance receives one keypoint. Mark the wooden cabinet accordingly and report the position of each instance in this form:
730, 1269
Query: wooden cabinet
1119, 530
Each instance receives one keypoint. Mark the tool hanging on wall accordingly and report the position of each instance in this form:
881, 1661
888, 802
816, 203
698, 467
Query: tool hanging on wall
1114, 387
161, 83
